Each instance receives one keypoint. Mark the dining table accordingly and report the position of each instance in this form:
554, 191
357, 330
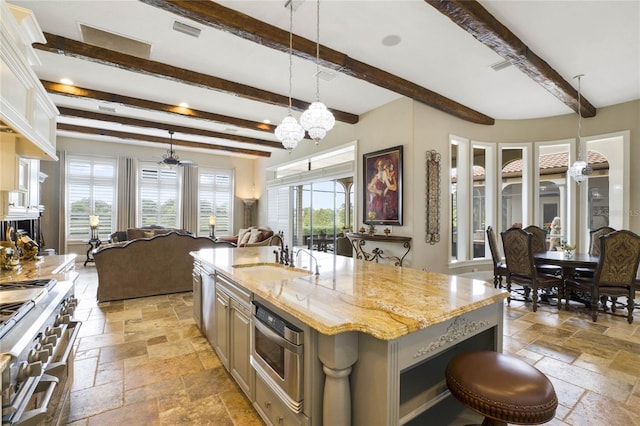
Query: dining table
569, 264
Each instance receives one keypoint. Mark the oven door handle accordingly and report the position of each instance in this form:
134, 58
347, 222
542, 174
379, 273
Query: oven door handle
36, 416
59, 368
276, 338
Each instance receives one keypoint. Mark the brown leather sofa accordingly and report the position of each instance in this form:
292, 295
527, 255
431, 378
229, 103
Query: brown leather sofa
148, 266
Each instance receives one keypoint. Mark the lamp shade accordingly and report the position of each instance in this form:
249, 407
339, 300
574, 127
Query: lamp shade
212, 220
317, 120
94, 221
579, 171
289, 132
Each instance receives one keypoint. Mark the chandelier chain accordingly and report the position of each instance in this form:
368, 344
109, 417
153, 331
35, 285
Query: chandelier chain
318, 50
579, 117
290, 51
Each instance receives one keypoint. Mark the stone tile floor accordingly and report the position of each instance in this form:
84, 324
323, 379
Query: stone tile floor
144, 362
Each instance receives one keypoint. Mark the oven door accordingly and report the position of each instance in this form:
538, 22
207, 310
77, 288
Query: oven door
279, 362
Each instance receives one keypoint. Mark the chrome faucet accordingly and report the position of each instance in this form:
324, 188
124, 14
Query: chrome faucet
312, 257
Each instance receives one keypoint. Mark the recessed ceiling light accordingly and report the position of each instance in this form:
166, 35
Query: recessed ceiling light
391, 40
267, 121
184, 105
66, 81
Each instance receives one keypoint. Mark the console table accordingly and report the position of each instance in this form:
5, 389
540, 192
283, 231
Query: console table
359, 240
93, 243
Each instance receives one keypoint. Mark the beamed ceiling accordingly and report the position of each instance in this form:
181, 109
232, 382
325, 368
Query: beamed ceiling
234, 75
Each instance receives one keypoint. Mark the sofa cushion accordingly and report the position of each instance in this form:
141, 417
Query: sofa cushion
245, 238
255, 236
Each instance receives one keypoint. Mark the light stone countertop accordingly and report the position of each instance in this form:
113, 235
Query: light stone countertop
384, 301
45, 267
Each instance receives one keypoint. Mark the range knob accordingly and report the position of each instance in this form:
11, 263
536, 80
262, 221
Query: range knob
62, 319
27, 370
55, 331
48, 349
49, 340
38, 355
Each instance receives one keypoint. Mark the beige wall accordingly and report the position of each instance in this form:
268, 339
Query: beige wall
420, 128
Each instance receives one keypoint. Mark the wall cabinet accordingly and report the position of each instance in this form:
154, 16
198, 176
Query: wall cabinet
19, 182
25, 106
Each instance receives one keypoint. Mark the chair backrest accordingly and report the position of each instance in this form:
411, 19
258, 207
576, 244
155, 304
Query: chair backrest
594, 236
619, 258
539, 238
493, 245
518, 251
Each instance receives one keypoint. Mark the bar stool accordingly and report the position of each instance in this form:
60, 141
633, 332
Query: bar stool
502, 388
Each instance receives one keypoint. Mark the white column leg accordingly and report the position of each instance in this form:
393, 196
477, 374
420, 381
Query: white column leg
337, 354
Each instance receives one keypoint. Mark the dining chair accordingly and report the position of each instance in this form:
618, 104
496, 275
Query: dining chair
540, 246
615, 274
499, 267
594, 249
521, 269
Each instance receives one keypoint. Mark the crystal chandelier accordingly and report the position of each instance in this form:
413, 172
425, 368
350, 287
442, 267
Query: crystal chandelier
580, 169
317, 119
289, 132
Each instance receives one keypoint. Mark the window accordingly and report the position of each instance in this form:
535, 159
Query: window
215, 199
158, 196
532, 186
312, 196
472, 194
91, 190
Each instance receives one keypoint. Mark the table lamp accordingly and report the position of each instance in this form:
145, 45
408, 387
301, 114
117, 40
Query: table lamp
94, 221
212, 225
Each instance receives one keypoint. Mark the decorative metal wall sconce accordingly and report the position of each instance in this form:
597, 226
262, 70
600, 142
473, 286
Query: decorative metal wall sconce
433, 197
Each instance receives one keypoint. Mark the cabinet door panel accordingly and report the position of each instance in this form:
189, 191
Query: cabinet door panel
240, 335
222, 327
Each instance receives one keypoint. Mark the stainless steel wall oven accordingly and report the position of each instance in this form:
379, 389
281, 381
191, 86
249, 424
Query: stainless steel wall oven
277, 355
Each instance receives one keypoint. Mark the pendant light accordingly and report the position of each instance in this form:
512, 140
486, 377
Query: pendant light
289, 132
580, 169
317, 119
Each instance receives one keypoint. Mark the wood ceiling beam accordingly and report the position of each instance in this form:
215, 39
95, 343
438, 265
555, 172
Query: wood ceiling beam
157, 139
76, 49
72, 112
80, 92
477, 21
225, 19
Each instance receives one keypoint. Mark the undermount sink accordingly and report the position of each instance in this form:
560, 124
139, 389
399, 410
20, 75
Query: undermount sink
272, 271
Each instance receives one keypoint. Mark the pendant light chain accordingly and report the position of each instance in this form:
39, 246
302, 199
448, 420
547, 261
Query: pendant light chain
290, 51
318, 50
289, 131
317, 119
579, 117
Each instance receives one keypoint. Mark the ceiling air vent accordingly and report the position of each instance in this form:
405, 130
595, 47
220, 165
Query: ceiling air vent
106, 108
115, 42
325, 75
186, 29
501, 65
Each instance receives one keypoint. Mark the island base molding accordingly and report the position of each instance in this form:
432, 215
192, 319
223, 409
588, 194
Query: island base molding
402, 381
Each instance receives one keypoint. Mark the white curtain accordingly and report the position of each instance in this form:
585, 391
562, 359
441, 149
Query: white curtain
62, 213
127, 193
190, 199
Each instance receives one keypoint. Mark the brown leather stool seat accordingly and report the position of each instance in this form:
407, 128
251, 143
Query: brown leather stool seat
502, 388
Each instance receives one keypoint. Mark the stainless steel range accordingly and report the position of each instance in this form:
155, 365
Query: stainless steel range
37, 333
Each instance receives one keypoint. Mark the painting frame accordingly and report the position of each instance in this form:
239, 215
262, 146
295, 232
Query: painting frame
382, 187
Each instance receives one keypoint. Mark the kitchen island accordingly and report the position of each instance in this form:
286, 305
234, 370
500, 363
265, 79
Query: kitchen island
381, 334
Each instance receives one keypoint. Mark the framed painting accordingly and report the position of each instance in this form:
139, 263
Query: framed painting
382, 204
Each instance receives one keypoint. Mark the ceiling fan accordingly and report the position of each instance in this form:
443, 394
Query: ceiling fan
170, 158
